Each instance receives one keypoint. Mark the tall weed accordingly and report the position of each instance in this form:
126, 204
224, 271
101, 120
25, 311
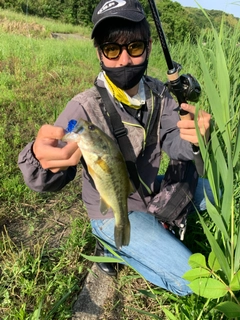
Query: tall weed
218, 276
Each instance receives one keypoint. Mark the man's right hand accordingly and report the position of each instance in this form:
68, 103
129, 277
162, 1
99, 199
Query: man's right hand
48, 151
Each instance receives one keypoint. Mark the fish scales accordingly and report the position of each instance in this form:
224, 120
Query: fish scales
108, 170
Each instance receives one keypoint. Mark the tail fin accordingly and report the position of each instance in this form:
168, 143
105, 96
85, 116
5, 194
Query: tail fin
122, 234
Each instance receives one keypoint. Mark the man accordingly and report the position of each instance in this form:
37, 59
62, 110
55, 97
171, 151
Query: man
123, 44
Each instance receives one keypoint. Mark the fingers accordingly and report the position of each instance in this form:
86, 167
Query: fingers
188, 107
192, 110
49, 131
187, 127
191, 135
59, 165
48, 151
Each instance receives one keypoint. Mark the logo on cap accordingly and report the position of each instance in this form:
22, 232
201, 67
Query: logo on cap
111, 5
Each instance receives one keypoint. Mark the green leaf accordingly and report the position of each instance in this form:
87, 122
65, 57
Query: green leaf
59, 302
208, 288
147, 293
216, 218
227, 202
222, 75
213, 262
150, 315
211, 90
197, 260
196, 273
101, 259
219, 156
37, 312
169, 314
229, 308
235, 283
237, 254
210, 166
217, 250
237, 148
114, 253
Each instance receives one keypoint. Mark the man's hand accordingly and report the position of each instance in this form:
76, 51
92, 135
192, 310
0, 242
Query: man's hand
187, 127
48, 152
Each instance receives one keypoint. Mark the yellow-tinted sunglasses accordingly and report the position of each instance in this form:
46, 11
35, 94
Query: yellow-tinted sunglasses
112, 50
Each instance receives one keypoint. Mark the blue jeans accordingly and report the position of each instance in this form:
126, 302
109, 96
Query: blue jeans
158, 255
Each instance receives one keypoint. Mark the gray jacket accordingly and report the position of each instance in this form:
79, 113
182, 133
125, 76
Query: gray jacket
160, 132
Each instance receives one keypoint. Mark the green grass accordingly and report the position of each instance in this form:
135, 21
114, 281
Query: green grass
43, 235
14, 22
39, 280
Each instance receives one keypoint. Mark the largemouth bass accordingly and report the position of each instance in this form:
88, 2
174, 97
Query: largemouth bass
108, 170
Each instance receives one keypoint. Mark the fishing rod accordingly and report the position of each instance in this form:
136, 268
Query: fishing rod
184, 87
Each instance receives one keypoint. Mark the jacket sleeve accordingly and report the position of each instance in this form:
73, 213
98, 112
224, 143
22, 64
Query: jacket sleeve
175, 147
39, 179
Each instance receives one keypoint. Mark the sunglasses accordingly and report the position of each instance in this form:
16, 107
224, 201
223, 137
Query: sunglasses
112, 50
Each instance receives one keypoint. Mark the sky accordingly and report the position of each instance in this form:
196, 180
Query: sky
228, 6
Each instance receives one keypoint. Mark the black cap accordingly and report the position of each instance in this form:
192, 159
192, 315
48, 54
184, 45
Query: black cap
125, 9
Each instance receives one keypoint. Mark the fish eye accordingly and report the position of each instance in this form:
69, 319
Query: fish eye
104, 147
91, 127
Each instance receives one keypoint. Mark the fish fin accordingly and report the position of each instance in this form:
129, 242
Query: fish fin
104, 207
103, 164
126, 235
91, 172
132, 189
122, 234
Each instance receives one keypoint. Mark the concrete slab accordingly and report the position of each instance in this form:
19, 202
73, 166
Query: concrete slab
97, 288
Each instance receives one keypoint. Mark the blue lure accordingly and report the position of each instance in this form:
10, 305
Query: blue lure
71, 126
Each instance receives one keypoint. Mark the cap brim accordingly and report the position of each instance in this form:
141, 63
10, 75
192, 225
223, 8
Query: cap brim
128, 15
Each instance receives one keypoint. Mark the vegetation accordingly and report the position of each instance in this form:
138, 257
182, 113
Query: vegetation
219, 277
178, 22
43, 236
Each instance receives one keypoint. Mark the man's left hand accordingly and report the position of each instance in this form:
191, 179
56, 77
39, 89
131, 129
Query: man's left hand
187, 127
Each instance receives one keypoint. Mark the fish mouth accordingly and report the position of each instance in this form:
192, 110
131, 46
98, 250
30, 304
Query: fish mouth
70, 136
78, 127
74, 129
75, 126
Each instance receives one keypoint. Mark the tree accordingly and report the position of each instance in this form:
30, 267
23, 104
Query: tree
176, 22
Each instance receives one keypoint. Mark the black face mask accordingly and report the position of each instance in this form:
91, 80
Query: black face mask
126, 77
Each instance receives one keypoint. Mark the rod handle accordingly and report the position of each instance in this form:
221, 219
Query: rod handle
186, 116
